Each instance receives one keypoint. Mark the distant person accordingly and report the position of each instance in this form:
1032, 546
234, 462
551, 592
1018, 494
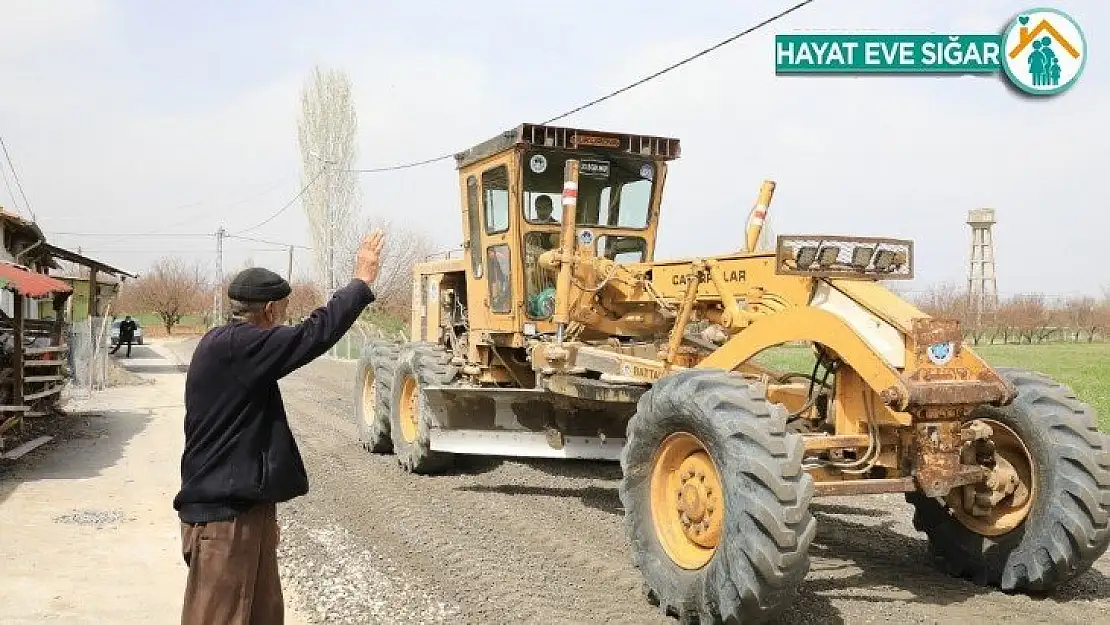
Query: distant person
240, 457
126, 334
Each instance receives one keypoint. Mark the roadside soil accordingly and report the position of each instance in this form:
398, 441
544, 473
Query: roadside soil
506, 541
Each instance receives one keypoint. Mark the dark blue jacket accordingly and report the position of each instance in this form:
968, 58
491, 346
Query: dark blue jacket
239, 449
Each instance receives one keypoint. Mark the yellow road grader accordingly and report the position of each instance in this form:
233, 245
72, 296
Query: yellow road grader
558, 334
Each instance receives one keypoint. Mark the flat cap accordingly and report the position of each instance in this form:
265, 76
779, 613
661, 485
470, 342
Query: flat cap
258, 284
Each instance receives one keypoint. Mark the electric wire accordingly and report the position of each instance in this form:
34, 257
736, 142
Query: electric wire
582, 107
18, 184
256, 240
684, 61
283, 208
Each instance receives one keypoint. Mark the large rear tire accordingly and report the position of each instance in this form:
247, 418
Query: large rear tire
703, 443
1039, 541
419, 365
373, 384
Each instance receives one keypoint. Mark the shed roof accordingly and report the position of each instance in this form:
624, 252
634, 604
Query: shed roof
85, 261
19, 279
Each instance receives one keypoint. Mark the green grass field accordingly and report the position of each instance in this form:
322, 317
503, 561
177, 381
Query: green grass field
1085, 367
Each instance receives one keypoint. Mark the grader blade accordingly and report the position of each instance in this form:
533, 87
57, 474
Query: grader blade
519, 423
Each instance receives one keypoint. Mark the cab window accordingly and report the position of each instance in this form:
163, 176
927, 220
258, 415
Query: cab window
623, 250
495, 199
539, 284
500, 288
614, 190
474, 222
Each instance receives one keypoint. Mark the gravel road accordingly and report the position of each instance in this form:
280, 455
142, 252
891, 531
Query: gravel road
543, 542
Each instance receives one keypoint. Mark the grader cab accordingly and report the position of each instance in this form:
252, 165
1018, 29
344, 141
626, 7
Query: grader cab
558, 334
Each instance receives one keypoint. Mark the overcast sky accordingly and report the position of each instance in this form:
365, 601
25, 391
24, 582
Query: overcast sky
127, 117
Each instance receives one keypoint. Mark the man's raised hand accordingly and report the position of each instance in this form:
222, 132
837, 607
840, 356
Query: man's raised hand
369, 257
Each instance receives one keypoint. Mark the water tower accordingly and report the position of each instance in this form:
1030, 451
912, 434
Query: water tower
982, 286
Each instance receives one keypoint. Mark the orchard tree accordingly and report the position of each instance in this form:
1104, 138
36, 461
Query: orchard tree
303, 300
1082, 315
1029, 316
403, 249
171, 289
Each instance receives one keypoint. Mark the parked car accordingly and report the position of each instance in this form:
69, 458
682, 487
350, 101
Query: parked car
138, 331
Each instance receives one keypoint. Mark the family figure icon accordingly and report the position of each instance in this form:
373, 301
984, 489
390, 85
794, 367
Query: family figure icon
1043, 64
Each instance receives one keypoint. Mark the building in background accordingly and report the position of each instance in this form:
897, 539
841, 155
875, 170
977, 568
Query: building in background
80, 272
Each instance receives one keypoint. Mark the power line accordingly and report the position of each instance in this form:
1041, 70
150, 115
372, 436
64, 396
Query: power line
133, 234
684, 61
219, 207
375, 170
176, 251
18, 184
8, 184
287, 245
283, 208
613, 94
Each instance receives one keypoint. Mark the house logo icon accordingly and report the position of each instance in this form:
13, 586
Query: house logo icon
1043, 51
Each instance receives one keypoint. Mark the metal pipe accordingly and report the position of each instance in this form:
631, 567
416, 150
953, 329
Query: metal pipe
758, 214
566, 248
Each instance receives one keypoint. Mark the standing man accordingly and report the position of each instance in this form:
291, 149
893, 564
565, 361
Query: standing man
126, 334
240, 457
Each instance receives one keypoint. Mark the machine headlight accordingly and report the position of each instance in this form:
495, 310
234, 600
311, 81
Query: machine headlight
806, 256
828, 255
861, 257
884, 260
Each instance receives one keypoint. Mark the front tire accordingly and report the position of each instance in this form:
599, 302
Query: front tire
1065, 526
419, 365
373, 379
716, 501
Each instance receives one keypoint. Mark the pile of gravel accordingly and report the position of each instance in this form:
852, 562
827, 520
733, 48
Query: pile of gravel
335, 581
96, 518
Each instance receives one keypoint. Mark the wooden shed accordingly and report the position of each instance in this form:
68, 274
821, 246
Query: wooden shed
32, 352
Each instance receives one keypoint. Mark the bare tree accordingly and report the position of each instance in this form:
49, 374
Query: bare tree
1029, 316
403, 249
303, 300
950, 301
327, 132
1082, 316
171, 289
1102, 314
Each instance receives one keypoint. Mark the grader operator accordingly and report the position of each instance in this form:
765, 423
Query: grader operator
560, 335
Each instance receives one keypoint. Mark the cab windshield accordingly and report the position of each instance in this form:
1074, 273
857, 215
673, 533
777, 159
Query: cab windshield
614, 190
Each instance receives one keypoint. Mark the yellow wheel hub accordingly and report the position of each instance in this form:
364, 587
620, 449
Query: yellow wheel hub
1000, 504
687, 505
368, 391
410, 410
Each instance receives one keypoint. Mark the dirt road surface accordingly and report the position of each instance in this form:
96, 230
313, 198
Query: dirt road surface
505, 541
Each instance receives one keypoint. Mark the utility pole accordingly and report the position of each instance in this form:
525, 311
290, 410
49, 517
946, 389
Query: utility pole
289, 273
218, 304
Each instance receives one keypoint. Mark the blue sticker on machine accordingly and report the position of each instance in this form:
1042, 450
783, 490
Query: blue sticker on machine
941, 353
